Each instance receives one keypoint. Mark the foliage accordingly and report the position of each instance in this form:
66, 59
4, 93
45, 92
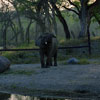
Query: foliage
26, 57
20, 72
22, 56
77, 3
84, 61
26, 10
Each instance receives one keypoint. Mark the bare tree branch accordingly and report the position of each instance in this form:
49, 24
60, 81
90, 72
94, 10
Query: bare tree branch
94, 8
74, 5
96, 3
69, 9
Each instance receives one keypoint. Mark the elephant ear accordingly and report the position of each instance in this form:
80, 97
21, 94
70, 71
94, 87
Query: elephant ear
38, 41
51, 36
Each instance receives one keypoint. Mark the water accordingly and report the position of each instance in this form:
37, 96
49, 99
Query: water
5, 96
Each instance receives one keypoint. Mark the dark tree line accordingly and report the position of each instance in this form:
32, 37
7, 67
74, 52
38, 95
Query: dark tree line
44, 13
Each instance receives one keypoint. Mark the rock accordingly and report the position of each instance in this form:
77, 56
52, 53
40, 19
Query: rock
4, 64
73, 61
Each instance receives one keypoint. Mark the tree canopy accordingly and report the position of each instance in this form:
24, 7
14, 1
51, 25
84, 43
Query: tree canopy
44, 13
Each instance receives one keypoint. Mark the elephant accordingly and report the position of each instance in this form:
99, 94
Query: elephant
47, 43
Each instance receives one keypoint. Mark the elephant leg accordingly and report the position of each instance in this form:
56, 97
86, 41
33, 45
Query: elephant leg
42, 59
48, 62
51, 61
55, 59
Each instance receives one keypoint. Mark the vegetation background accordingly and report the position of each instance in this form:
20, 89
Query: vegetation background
19, 28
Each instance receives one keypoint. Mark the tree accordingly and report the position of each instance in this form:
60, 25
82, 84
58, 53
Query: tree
18, 13
5, 18
42, 13
28, 32
61, 18
85, 12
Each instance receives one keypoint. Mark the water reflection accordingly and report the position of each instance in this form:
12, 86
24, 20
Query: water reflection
20, 97
4, 96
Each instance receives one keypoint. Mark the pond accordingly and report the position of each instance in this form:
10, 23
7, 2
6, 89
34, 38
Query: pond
6, 96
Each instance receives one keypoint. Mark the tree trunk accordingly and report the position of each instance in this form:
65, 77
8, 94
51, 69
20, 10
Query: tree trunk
4, 38
54, 22
63, 21
5, 34
20, 26
88, 32
83, 18
12, 25
21, 30
27, 32
86, 13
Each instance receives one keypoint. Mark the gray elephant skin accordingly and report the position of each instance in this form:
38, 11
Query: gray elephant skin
48, 49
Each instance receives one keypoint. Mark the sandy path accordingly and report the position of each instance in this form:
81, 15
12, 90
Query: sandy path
62, 81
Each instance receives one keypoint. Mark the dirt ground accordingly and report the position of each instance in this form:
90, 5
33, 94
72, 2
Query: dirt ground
60, 81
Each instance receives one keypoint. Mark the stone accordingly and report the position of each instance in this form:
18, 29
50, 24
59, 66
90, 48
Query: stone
73, 61
4, 64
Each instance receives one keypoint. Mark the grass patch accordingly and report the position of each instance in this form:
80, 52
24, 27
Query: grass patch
13, 86
27, 57
20, 72
20, 57
73, 42
76, 42
26, 45
96, 38
84, 61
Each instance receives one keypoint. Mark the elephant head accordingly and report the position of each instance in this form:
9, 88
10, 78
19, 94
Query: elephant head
48, 47
44, 39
